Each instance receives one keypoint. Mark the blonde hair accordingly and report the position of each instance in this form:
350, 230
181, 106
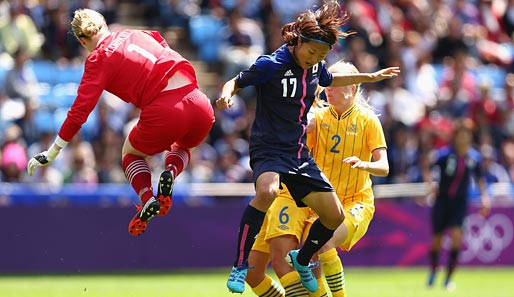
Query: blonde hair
87, 22
342, 66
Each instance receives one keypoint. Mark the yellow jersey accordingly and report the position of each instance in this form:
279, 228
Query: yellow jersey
357, 132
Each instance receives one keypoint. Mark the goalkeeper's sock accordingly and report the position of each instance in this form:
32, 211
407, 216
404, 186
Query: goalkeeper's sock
269, 287
334, 274
139, 176
176, 159
321, 291
293, 285
249, 226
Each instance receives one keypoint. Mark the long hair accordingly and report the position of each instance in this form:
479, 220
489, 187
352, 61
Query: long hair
322, 25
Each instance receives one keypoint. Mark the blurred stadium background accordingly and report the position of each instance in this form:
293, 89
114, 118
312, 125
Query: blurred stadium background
456, 58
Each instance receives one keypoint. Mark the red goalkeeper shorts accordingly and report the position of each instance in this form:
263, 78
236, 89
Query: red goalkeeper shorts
183, 116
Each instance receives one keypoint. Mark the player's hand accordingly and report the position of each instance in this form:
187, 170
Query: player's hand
41, 159
356, 162
224, 102
385, 73
486, 206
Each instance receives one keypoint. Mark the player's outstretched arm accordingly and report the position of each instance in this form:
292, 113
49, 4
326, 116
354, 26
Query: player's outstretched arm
45, 158
229, 89
346, 79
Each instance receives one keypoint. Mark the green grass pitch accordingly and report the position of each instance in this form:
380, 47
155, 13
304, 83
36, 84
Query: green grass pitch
360, 282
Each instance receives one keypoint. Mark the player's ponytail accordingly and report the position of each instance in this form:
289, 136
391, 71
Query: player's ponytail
87, 23
322, 25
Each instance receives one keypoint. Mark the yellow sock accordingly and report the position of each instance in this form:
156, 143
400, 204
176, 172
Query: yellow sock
321, 291
293, 286
269, 287
334, 274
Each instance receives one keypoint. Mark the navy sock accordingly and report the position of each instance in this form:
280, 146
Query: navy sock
318, 236
251, 223
434, 259
452, 263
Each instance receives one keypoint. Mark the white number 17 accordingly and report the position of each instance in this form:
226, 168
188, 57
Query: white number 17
292, 81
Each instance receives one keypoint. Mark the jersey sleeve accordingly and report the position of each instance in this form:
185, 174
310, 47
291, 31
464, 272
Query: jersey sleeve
158, 37
88, 93
260, 72
375, 133
325, 77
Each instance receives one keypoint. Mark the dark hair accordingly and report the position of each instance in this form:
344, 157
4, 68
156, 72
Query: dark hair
321, 25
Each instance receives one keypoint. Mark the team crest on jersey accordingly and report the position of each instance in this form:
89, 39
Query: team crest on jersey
288, 73
325, 125
315, 68
352, 130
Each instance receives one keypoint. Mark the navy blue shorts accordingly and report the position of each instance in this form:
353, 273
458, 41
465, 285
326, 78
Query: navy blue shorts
447, 214
301, 176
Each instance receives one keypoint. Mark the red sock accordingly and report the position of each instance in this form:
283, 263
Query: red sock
176, 159
139, 176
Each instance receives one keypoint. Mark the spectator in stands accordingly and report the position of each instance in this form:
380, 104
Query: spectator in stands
13, 157
457, 165
286, 82
21, 84
486, 113
493, 171
59, 45
458, 86
19, 32
80, 171
508, 105
175, 115
507, 155
242, 41
403, 155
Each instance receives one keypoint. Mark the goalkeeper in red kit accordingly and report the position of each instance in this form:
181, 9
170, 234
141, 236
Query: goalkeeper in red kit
140, 68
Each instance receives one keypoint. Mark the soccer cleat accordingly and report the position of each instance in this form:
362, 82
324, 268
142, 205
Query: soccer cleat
306, 275
236, 279
164, 191
144, 214
450, 286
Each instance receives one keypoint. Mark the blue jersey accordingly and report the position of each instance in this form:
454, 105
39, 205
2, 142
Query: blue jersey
456, 173
285, 93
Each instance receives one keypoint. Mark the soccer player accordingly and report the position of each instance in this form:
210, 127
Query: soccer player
348, 143
140, 68
286, 82
457, 165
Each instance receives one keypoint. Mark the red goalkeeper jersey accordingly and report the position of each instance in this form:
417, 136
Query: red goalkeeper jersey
134, 65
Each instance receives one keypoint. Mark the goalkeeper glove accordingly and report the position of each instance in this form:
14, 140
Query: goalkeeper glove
46, 157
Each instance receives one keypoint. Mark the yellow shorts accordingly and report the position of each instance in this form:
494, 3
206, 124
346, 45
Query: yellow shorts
282, 218
358, 216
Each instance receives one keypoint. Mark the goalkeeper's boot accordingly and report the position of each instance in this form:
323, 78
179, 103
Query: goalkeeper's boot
237, 277
306, 275
144, 214
164, 191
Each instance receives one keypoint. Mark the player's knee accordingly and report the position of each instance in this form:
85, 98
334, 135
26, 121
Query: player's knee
266, 194
334, 219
